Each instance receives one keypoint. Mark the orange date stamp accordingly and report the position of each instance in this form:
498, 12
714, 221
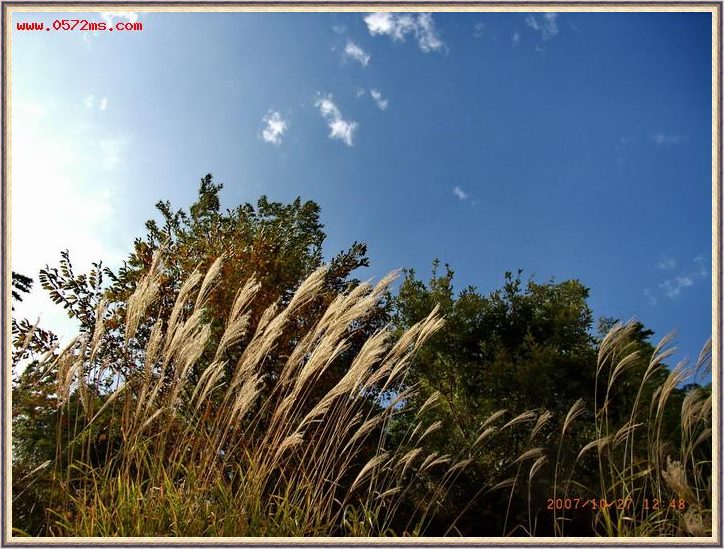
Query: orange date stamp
620, 504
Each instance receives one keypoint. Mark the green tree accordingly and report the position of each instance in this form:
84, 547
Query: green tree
527, 346
280, 244
28, 339
524, 347
21, 284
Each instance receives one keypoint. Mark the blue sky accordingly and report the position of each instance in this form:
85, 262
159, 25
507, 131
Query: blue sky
569, 145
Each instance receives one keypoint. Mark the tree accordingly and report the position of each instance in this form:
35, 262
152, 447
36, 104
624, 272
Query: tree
27, 338
279, 244
524, 347
20, 284
519, 348
527, 347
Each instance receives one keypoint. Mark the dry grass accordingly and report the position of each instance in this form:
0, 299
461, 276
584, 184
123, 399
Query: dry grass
657, 488
223, 457
237, 451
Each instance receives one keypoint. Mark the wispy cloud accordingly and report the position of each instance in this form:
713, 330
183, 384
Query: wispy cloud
339, 29
667, 263
274, 127
674, 286
461, 194
360, 92
478, 29
516, 38
353, 51
667, 139
381, 102
110, 16
546, 25
91, 102
427, 36
399, 25
339, 128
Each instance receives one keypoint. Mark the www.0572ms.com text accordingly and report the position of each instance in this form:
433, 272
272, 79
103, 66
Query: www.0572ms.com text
79, 25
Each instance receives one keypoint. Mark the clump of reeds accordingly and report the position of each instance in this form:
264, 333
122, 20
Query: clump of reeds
650, 482
195, 444
235, 452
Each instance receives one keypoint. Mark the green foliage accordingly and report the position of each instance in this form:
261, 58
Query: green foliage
28, 339
279, 244
517, 348
524, 348
251, 401
79, 295
21, 284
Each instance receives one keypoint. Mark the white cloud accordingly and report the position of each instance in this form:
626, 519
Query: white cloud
110, 16
360, 92
674, 286
339, 29
274, 127
666, 139
516, 38
91, 102
666, 263
461, 194
398, 25
478, 29
546, 25
427, 37
353, 51
339, 128
381, 102
392, 24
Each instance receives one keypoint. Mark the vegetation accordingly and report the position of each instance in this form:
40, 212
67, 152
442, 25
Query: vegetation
227, 382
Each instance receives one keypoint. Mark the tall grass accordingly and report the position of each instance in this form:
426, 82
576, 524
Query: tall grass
650, 482
220, 456
237, 451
